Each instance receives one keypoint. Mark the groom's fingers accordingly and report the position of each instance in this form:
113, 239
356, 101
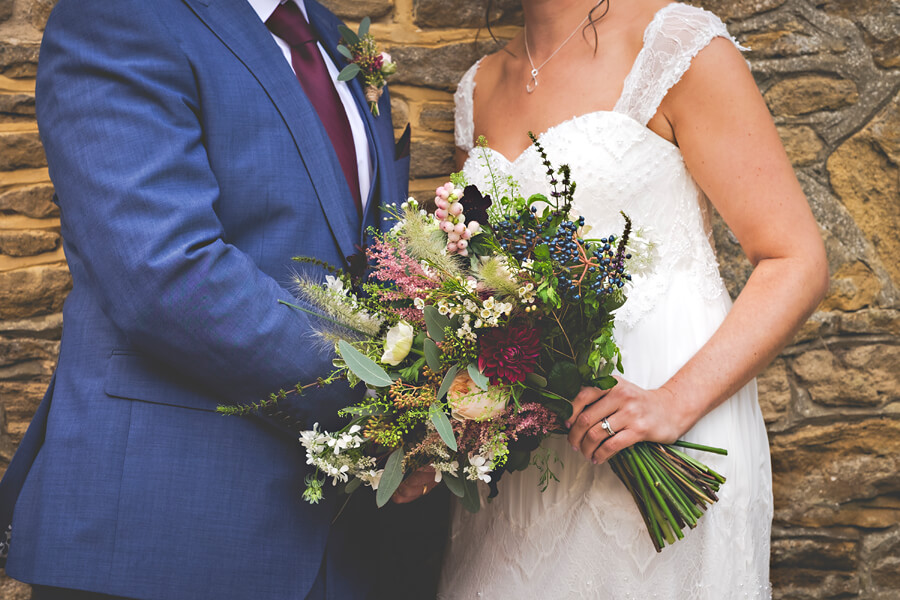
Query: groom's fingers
415, 486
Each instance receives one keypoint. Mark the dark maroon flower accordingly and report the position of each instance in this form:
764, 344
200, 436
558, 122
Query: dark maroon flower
475, 205
508, 354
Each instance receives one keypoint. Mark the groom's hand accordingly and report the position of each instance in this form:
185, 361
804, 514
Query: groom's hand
415, 486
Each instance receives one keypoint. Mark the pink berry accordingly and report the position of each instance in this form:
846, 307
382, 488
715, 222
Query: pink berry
449, 186
441, 203
451, 247
464, 252
455, 209
446, 226
466, 234
460, 227
440, 214
462, 244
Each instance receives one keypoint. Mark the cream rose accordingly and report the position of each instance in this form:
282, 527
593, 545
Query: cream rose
468, 402
397, 343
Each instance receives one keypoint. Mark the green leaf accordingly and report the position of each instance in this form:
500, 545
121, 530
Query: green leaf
432, 355
435, 322
471, 501
478, 377
349, 36
564, 379
518, 460
536, 379
448, 381
559, 406
542, 252
455, 485
481, 244
442, 424
352, 485
606, 383
364, 27
364, 367
349, 72
411, 373
363, 411
391, 478
345, 52
536, 198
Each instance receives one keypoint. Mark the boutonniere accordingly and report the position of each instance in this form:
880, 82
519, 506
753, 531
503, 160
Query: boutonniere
366, 62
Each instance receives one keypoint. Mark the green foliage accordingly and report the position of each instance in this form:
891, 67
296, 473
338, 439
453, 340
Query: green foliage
478, 378
391, 478
447, 382
435, 322
564, 379
364, 367
442, 424
349, 72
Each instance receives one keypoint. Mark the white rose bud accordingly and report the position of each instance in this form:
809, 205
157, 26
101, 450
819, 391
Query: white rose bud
397, 343
468, 402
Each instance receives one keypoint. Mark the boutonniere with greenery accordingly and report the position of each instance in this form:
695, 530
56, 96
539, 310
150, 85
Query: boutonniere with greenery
366, 62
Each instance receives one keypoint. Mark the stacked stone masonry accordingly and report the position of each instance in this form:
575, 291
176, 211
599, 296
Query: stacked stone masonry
829, 71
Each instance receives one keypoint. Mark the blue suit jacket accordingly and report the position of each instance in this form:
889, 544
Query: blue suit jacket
189, 168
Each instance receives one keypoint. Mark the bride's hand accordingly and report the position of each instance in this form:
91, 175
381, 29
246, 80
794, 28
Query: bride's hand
633, 414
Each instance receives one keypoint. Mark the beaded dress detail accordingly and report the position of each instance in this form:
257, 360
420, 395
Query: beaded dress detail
583, 537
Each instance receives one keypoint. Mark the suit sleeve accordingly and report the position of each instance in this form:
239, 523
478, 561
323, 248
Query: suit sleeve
119, 118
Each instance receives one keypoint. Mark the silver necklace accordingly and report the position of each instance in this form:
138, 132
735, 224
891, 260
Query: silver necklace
532, 85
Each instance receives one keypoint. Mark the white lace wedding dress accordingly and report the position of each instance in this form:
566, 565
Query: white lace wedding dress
584, 537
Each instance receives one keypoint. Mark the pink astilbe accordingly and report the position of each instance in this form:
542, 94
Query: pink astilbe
471, 436
392, 263
533, 419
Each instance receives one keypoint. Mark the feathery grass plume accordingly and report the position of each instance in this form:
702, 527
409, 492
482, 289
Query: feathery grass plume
425, 242
495, 274
341, 312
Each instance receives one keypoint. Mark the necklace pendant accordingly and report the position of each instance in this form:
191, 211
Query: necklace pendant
532, 85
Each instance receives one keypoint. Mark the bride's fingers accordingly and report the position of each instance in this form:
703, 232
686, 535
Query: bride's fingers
587, 419
586, 397
597, 435
613, 445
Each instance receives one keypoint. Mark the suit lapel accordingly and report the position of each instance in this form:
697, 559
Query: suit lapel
237, 25
326, 25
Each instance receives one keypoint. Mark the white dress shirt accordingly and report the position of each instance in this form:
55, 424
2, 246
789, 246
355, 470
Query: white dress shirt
265, 8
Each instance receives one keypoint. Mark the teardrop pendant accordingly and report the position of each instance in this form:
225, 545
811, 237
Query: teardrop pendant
530, 87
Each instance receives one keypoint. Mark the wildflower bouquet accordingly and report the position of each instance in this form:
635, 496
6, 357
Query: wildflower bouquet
476, 326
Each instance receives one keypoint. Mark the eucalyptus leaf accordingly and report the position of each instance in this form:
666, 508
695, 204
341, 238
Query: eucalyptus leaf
448, 381
345, 52
391, 478
432, 355
435, 322
442, 424
349, 72
364, 367
352, 486
455, 485
349, 35
364, 411
364, 27
478, 378
536, 379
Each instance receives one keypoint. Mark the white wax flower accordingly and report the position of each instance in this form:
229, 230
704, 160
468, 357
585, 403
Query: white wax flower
397, 343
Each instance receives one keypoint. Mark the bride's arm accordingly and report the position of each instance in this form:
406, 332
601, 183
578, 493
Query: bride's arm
732, 149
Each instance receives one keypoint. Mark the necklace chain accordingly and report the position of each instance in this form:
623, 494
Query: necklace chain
532, 85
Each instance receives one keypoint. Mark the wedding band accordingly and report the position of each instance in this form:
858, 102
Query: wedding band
607, 427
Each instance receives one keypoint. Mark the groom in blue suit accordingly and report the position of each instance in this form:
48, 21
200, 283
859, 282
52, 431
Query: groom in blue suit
195, 146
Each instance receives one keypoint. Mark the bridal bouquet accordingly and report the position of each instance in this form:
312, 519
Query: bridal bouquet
477, 324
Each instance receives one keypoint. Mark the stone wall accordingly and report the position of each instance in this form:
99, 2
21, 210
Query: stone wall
830, 72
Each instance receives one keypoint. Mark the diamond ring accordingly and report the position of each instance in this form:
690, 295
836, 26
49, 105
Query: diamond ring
607, 427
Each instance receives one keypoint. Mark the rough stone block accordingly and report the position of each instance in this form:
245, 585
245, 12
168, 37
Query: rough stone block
28, 242
859, 376
865, 174
399, 112
819, 553
18, 59
45, 327
809, 584
738, 9
802, 144
774, 392
18, 350
810, 93
853, 286
34, 201
6, 10
38, 11
440, 67
21, 150
834, 473
33, 291
787, 35
468, 13
10, 589
16, 107
437, 116
356, 10
432, 158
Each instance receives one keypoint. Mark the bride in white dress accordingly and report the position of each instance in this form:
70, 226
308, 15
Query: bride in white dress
687, 124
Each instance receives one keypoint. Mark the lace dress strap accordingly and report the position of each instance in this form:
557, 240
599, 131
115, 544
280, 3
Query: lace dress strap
464, 120
677, 33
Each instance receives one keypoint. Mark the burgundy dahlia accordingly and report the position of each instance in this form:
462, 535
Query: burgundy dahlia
507, 355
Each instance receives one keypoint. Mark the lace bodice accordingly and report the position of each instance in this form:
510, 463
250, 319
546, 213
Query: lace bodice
621, 165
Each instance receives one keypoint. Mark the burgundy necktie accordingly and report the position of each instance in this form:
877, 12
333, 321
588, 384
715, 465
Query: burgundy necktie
288, 23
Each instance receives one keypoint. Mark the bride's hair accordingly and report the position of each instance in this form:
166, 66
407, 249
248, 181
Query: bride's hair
598, 12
